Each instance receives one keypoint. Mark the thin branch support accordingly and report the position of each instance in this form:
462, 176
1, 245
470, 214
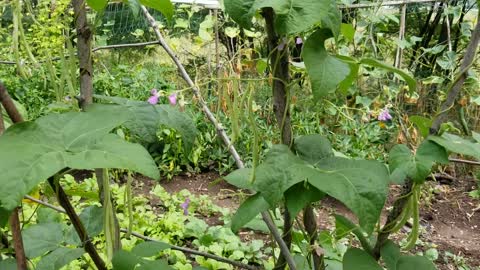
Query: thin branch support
221, 132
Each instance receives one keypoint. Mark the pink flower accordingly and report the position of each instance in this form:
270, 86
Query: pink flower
154, 98
298, 40
173, 98
185, 206
384, 115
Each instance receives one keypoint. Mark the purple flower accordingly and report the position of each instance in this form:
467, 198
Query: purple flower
173, 98
384, 115
185, 205
154, 98
298, 40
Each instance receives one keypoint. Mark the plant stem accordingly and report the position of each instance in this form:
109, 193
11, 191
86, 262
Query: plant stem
77, 224
17, 240
16, 117
280, 69
84, 43
452, 95
220, 131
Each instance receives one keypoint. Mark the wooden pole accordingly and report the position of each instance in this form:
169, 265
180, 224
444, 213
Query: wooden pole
84, 43
401, 36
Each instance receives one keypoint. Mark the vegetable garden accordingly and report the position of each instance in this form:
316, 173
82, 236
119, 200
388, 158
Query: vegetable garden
240, 134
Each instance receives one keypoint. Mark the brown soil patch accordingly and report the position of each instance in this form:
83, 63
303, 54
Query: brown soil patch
449, 216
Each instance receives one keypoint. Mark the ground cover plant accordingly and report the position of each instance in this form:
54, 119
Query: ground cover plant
252, 134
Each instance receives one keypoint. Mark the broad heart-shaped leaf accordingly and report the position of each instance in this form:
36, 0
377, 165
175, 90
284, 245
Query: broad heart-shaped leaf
164, 6
459, 145
274, 176
394, 260
295, 16
97, 5
240, 11
292, 16
33, 151
240, 178
92, 219
361, 185
154, 265
38, 239
59, 258
412, 84
296, 203
414, 262
249, 209
145, 120
325, 71
357, 259
149, 249
124, 260
313, 148
404, 164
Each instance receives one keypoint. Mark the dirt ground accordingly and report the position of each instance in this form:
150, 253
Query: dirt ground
450, 218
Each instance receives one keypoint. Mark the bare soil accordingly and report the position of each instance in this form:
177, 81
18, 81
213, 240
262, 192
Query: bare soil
450, 218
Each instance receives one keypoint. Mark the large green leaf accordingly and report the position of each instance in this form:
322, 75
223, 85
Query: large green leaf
359, 184
240, 178
313, 148
41, 238
92, 219
277, 173
295, 16
59, 258
423, 124
97, 5
412, 84
292, 16
394, 260
357, 259
164, 6
33, 151
249, 209
296, 203
145, 120
457, 144
240, 11
149, 249
124, 260
414, 262
404, 164
324, 70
